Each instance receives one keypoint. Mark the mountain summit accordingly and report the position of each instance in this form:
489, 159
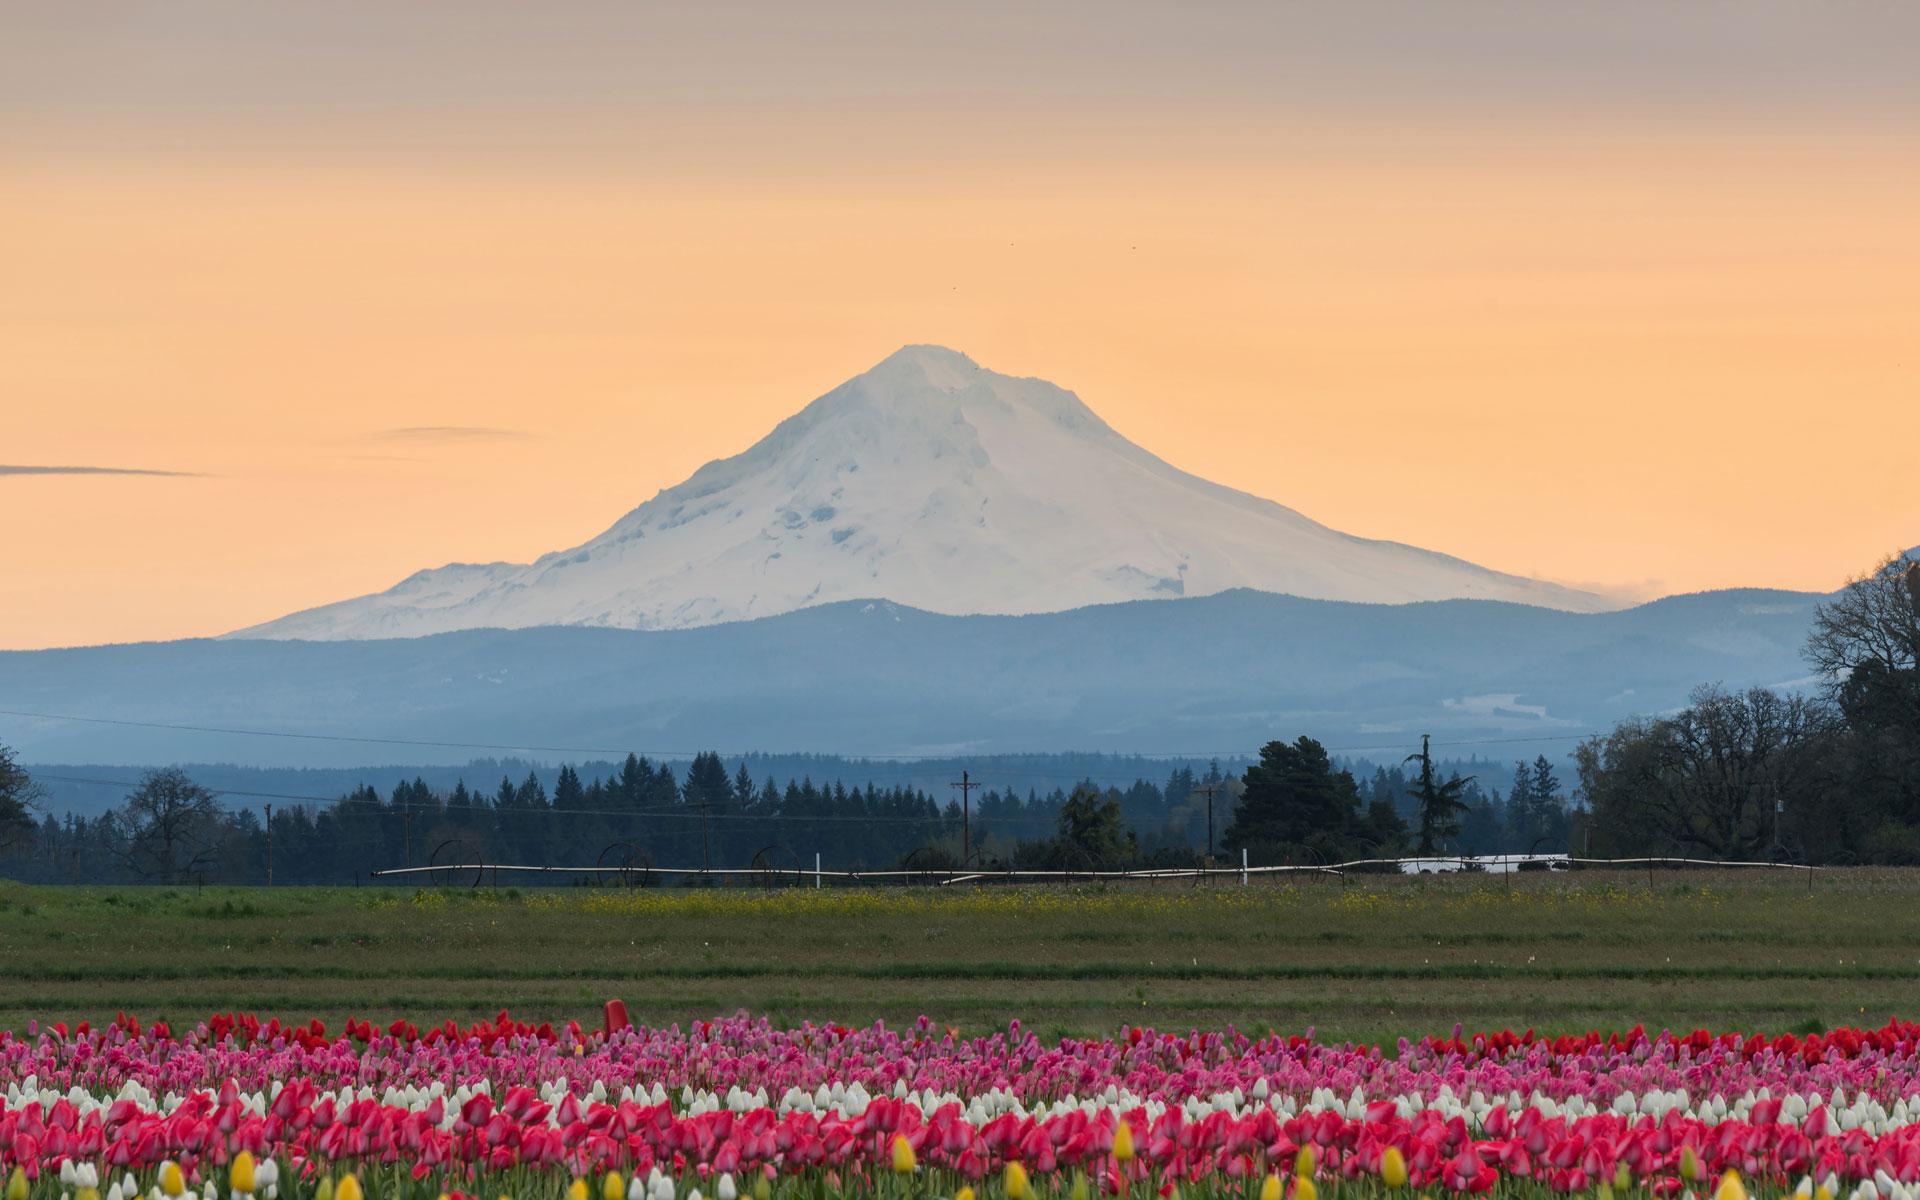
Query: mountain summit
932, 482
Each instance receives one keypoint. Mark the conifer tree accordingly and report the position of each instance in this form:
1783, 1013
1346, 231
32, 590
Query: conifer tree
1440, 805
1295, 803
567, 794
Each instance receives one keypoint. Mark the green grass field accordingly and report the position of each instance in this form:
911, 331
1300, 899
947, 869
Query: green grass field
1373, 958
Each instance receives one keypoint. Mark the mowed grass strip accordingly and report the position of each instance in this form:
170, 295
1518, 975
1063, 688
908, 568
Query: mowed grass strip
54, 971
1375, 958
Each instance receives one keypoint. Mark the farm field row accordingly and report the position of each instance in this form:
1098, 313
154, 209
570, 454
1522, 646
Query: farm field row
1371, 959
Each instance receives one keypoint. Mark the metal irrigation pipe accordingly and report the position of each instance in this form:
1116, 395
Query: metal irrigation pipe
1012, 875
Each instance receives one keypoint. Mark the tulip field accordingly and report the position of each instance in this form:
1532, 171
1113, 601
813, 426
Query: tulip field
1415, 1037
235, 1107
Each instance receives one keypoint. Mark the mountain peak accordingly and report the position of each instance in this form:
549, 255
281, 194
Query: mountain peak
927, 355
914, 370
932, 482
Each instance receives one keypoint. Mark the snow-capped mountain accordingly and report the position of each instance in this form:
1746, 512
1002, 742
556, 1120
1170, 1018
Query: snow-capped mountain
932, 482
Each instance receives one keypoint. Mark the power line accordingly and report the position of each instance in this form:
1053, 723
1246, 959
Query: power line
347, 798
692, 813
660, 753
885, 773
134, 783
328, 737
1558, 737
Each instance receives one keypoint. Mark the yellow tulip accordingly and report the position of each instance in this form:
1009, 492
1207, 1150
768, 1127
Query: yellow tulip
240, 1172
1303, 1189
1303, 1162
1623, 1177
1017, 1186
761, 1189
1821, 1193
325, 1190
1730, 1187
965, 1193
1122, 1144
17, 1185
577, 1190
1270, 1188
903, 1161
1603, 1192
613, 1187
348, 1189
87, 1194
1689, 1163
1079, 1189
173, 1181
1393, 1168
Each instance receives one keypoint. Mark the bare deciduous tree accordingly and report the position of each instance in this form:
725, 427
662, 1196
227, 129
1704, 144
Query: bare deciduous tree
1708, 780
19, 795
1866, 642
171, 827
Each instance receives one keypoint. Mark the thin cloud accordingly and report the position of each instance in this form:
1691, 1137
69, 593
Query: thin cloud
17, 469
448, 435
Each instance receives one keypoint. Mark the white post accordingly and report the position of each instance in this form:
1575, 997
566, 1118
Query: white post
1243, 866
816, 870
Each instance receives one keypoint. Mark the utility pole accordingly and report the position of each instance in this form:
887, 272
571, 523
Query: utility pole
706, 853
1210, 788
408, 814
269, 845
1776, 819
966, 786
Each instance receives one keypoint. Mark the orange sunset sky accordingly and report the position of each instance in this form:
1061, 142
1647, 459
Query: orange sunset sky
1624, 295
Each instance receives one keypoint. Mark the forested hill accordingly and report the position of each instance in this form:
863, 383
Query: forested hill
1193, 677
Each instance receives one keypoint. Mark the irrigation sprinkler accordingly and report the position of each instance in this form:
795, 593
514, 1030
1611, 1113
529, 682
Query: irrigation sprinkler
770, 873
453, 858
623, 861
921, 864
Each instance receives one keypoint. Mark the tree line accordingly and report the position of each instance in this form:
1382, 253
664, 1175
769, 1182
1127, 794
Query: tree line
639, 815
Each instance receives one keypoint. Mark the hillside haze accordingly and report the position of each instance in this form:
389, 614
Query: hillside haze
931, 482
1191, 677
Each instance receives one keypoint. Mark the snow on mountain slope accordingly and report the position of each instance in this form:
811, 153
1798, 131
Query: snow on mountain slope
935, 483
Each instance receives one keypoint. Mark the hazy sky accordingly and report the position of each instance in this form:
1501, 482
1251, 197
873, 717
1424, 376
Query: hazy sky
306, 297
